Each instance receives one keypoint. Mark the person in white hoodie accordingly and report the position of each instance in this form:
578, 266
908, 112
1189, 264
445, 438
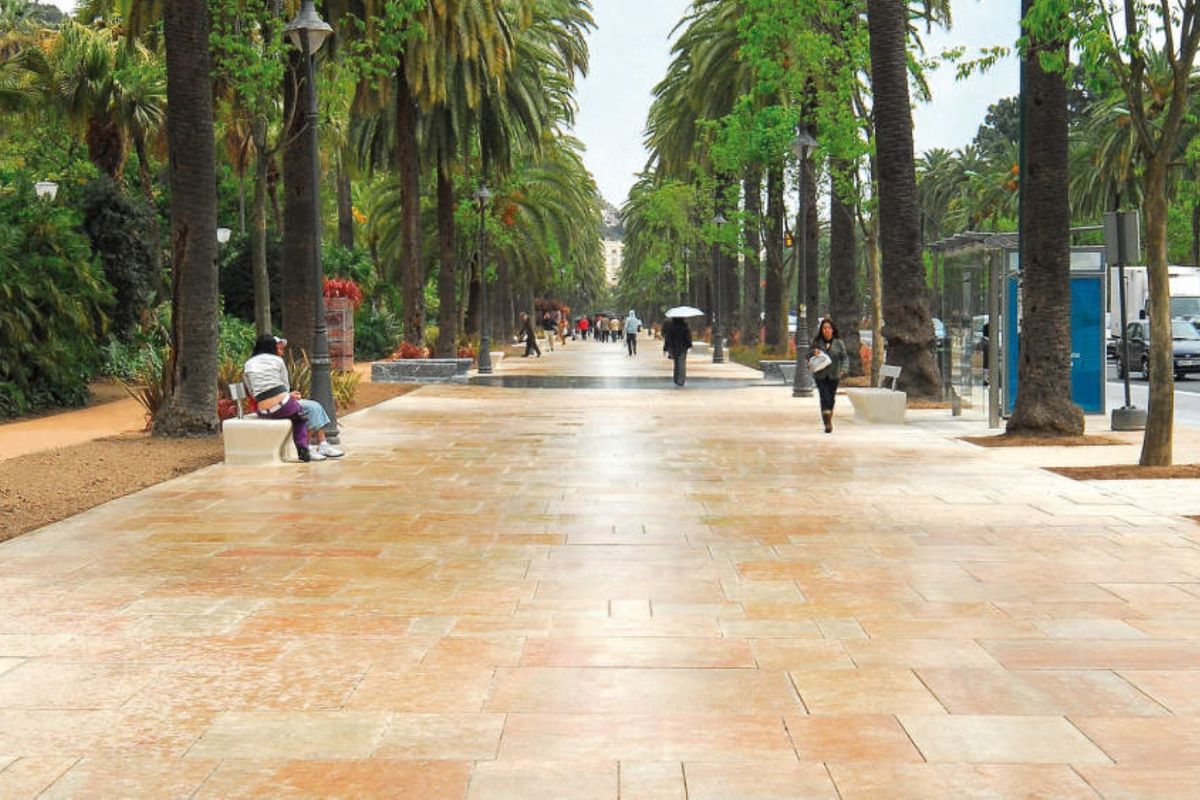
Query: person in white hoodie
632, 326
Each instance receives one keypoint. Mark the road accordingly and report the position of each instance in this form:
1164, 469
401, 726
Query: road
1187, 397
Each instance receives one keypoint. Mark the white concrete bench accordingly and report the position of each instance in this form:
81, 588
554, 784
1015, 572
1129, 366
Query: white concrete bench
880, 404
254, 441
787, 371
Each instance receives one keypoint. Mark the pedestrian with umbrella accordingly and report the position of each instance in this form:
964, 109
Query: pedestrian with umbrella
677, 339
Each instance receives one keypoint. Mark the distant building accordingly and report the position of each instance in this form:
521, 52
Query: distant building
614, 253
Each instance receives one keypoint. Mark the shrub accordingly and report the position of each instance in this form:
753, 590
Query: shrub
376, 333
345, 387
235, 339
149, 383
354, 265
407, 351
54, 299
344, 287
118, 227
237, 277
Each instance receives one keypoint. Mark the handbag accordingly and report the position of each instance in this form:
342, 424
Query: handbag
818, 362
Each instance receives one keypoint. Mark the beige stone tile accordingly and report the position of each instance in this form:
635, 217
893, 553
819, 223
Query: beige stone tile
1034, 692
1178, 690
292, 734
1095, 654
7, 664
1128, 783
845, 739
441, 691
1089, 629
130, 776
1168, 742
30, 776
651, 780
652, 691
801, 654
459, 653
237, 779
770, 629
915, 653
39, 683
760, 781
519, 780
641, 737
441, 737
864, 691
50, 732
959, 781
681, 652
1001, 740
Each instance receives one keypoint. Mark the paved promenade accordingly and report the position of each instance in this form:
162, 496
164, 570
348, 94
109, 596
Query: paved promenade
611, 593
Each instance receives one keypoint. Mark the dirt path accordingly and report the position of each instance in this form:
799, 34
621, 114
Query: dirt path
114, 414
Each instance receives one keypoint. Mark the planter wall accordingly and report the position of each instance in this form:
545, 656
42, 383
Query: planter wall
339, 320
421, 370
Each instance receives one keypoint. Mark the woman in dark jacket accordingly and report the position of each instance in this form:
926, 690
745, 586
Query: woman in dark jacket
829, 343
677, 340
531, 345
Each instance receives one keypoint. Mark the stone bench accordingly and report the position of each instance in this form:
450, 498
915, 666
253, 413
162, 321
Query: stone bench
253, 441
422, 370
772, 368
787, 371
880, 404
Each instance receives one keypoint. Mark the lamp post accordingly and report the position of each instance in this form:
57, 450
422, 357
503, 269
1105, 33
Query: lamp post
482, 196
308, 32
803, 385
46, 190
718, 340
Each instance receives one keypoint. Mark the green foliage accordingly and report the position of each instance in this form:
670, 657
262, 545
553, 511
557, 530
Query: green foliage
237, 277
377, 332
354, 264
118, 227
54, 299
236, 339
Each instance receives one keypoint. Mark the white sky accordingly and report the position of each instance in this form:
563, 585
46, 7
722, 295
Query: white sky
630, 54
630, 51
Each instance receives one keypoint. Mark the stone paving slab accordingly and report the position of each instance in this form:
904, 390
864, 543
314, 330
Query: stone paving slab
650, 593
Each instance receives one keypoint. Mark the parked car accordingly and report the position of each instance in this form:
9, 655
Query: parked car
1185, 347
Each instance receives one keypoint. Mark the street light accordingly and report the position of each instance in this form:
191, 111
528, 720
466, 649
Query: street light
223, 235
718, 340
308, 32
46, 190
482, 196
803, 385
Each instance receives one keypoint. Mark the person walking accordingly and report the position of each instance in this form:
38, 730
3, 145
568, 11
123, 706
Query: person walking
531, 345
834, 366
677, 340
583, 327
632, 326
614, 330
549, 328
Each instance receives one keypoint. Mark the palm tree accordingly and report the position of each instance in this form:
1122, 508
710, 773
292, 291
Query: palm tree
1044, 404
909, 327
191, 406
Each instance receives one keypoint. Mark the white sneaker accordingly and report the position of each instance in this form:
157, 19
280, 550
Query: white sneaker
329, 451
315, 454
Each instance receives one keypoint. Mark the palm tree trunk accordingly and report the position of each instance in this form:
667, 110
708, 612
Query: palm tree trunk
258, 229
191, 406
297, 271
1043, 404
411, 266
750, 313
447, 341
874, 270
775, 308
906, 306
843, 265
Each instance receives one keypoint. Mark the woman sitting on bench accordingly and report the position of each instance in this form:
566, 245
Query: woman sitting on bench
266, 379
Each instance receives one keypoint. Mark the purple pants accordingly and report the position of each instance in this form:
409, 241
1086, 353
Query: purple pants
290, 409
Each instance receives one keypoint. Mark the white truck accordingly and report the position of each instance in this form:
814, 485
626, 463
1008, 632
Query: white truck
1184, 283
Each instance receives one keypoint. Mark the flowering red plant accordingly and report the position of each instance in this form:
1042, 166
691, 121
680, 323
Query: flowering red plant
408, 350
344, 287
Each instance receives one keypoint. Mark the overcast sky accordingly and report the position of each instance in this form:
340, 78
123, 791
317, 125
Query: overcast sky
631, 50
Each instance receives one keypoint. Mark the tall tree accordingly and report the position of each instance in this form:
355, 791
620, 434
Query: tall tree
1043, 402
909, 326
191, 407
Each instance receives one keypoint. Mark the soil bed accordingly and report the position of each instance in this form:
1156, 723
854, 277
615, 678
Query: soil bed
1129, 472
41, 488
1043, 441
